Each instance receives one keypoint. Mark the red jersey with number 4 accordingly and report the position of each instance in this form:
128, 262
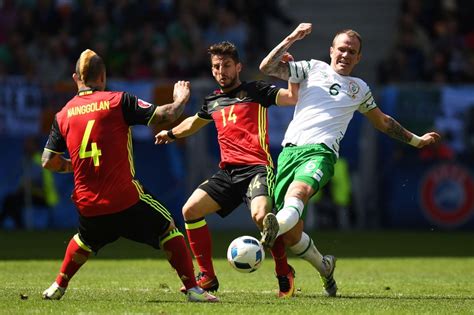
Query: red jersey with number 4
94, 127
240, 117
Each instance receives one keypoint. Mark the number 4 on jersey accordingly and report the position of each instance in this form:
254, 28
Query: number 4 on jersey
95, 152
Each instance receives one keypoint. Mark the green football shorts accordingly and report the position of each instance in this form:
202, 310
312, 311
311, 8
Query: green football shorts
312, 164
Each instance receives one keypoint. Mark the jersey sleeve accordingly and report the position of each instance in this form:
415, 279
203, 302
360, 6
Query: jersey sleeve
56, 142
299, 70
204, 111
368, 102
136, 111
267, 93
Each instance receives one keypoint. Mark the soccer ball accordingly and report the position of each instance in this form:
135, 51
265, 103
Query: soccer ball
245, 254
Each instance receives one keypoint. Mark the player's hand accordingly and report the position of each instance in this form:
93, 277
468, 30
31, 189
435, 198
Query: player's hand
429, 138
287, 57
181, 92
301, 31
162, 137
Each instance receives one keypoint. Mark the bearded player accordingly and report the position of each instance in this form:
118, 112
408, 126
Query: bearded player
239, 112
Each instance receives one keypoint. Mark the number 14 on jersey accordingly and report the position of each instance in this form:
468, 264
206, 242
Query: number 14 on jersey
231, 117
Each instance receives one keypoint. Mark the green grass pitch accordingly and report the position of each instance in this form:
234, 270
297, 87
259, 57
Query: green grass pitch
377, 272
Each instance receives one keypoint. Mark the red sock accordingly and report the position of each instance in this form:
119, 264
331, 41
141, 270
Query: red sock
76, 255
201, 244
179, 257
279, 256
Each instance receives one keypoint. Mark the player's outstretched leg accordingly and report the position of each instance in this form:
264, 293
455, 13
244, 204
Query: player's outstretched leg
210, 284
198, 294
200, 242
270, 230
287, 284
207, 283
285, 274
329, 284
54, 292
77, 253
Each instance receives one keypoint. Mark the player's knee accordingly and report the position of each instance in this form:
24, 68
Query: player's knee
301, 191
190, 212
171, 227
257, 217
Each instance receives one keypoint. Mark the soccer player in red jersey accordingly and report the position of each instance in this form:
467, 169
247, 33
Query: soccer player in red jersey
239, 112
95, 128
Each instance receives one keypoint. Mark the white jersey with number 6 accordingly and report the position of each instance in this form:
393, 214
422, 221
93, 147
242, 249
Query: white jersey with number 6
326, 104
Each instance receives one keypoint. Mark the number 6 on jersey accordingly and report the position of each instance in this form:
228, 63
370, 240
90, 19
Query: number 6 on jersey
95, 152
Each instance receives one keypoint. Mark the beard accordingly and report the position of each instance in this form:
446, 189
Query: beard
231, 83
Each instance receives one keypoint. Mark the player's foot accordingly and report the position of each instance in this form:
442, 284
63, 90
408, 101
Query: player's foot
329, 284
270, 230
198, 294
207, 283
287, 284
54, 292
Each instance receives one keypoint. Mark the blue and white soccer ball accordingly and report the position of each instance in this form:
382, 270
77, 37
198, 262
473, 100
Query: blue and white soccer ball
245, 254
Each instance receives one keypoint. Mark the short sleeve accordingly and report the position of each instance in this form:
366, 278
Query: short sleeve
136, 111
203, 112
56, 142
368, 102
267, 93
298, 70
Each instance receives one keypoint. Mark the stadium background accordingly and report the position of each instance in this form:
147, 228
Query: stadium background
418, 57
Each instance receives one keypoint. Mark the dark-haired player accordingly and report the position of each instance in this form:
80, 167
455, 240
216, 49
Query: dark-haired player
239, 112
95, 128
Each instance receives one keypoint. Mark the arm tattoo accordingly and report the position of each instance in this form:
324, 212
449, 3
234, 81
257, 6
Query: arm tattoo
396, 131
56, 162
272, 64
168, 113
65, 165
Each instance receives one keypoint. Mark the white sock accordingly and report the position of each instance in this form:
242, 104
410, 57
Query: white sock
305, 249
290, 214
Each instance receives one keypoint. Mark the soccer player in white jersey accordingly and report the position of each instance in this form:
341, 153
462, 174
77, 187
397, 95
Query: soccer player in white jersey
328, 98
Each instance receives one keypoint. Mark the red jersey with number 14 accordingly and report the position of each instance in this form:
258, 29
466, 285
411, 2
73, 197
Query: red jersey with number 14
240, 117
94, 127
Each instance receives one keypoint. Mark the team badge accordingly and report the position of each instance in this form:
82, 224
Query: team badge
143, 104
447, 195
323, 74
353, 89
214, 105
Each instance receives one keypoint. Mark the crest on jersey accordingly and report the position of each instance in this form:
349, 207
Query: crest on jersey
214, 105
353, 89
323, 74
143, 104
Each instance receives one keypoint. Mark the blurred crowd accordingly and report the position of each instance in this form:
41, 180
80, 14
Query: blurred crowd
139, 39
434, 43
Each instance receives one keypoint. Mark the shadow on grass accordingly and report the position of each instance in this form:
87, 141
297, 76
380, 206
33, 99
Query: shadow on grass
388, 297
351, 244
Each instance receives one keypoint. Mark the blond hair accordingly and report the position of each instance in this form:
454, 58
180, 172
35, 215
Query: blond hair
89, 66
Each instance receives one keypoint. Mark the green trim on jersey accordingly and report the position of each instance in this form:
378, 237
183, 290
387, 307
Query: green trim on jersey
155, 204
172, 234
270, 181
52, 151
312, 164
